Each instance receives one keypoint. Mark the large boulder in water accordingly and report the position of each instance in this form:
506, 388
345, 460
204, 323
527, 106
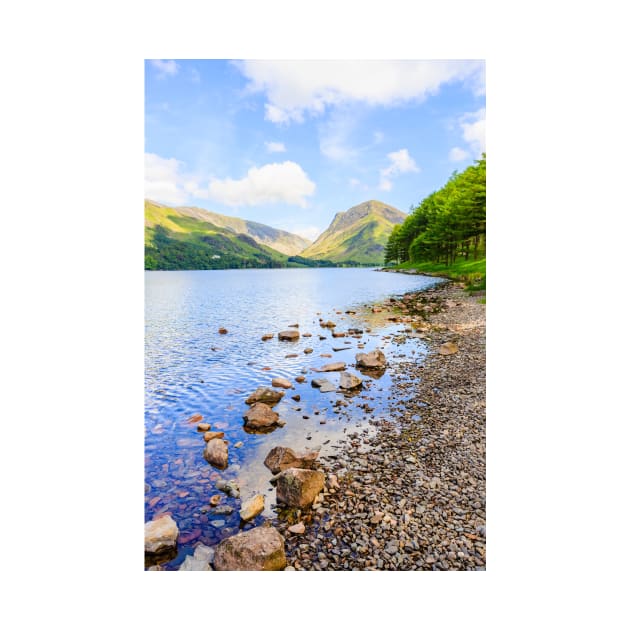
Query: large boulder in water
160, 534
216, 453
371, 360
253, 507
266, 395
280, 458
259, 549
297, 487
259, 416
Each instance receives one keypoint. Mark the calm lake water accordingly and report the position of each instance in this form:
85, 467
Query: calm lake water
190, 368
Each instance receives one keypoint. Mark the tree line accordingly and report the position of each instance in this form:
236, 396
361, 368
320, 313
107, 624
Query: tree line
447, 225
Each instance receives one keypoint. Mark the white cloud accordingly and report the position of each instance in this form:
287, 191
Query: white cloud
164, 68
457, 154
294, 88
473, 126
162, 180
271, 183
400, 162
275, 147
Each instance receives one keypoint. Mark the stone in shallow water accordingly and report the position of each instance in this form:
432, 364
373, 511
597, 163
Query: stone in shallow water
281, 382
265, 395
252, 507
259, 416
160, 534
288, 335
216, 453
374, 359
332, 367
259, 549
194, 564
203, 552
324, 385
349, 381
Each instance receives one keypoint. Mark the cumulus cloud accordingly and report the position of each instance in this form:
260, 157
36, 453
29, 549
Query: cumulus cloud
457, 154
399, 162
473, 126
294, 88
284, 182
163, 181
275, 147
164, 68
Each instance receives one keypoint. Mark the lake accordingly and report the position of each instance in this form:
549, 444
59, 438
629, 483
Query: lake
190, 368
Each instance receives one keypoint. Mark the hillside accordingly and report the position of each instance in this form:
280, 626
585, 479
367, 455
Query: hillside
283, 242
358, 234
177, 240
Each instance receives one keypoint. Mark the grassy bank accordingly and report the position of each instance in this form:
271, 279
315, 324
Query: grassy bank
472, 272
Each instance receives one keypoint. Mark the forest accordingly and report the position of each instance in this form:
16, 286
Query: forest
447, 226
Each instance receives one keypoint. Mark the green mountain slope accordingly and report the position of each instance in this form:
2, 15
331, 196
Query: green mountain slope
176, 240
281, 241
358, 234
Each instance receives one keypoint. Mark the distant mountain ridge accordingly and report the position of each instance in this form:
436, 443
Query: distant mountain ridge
358, 234
280, 240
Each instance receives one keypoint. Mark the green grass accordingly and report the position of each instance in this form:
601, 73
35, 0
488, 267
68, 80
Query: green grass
472, 272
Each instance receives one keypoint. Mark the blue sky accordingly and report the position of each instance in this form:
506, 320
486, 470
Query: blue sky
290, 143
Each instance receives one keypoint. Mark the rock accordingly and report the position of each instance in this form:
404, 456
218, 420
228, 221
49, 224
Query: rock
213, 435
252, 507
294, 325
259, 416
229, 487
448, 348
307, 334
332, 367
298, 528
336, 335
202, 552
289, 335
259, 549
160, 534
290, 356
267, 336
197, 417
223, 510
265, 395
280, 458
332, 482
215, 499
281, 382
327, 324
193, 564
298, 487
203, 426
349, 381
324, 385
238, 445
300, 379
223, 331
308, 350
216, 452
297, 398
374, 359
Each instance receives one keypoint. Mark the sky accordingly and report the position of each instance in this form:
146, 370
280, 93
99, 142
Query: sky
291, 143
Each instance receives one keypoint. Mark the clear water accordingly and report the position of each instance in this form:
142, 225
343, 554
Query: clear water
191, 368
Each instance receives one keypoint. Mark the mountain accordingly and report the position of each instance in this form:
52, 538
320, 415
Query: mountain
281, 241
357, 235
175, 239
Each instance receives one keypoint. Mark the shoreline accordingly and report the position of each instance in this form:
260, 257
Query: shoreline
411, 496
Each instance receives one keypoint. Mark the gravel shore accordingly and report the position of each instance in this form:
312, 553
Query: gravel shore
411, 495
